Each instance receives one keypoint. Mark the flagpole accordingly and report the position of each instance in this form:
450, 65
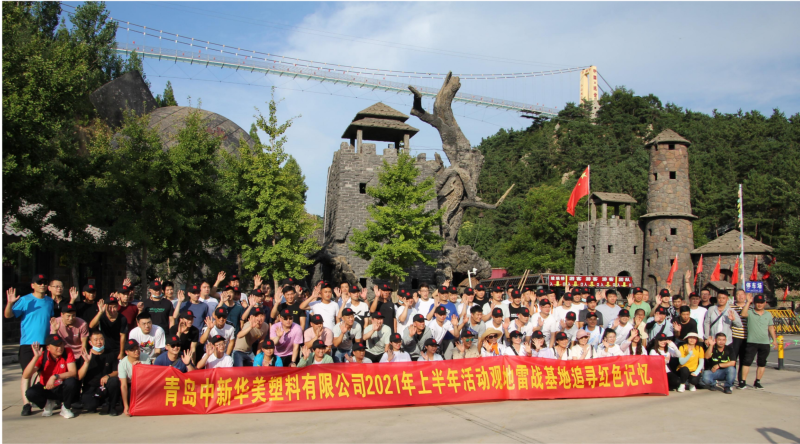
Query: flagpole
588, 215
741, 235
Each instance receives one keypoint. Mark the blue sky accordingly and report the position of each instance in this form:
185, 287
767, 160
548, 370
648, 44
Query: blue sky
701, 56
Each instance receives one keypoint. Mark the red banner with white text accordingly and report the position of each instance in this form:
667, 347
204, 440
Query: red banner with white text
166, 391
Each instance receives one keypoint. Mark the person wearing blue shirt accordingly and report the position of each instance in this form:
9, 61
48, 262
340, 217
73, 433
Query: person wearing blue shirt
267, 352
444, 292
199, 309
34, 311
173, 358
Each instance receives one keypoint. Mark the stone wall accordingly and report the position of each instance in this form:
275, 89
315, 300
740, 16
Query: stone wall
625, 239
346, 202
661, 246
667, 194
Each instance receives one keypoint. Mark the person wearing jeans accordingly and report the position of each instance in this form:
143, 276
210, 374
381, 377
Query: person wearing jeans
721, 362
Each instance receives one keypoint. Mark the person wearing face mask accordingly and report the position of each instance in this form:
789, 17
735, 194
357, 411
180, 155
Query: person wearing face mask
113, 326
98, 374
159, 308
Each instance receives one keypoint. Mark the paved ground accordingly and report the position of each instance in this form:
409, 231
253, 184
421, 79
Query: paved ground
745, 416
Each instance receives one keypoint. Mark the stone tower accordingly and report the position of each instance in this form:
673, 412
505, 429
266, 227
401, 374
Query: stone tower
668, 222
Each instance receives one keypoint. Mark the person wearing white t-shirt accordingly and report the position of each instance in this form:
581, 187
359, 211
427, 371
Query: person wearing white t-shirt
321, 303
496, 301
151, 338
564, 307
544, 320
568, 325
517, 348
609, 346
499, 322
522, 323
697, 313
394, 350
467, 302
215, 356
219, 327
489, 344
440, 326
355, 301
405, 310
622, 325
424, 303
429, 354
578, 298
539, 348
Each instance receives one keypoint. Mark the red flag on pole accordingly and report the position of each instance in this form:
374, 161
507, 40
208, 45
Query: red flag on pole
786, 293
699, 270
672, 271
581, 189
768, 274
715, 273
754, 274
735, 277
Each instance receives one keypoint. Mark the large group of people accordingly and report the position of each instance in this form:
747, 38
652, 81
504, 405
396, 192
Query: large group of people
78, 352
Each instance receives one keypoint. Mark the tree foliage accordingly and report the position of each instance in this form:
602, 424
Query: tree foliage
401, 231
761, 152
168, 99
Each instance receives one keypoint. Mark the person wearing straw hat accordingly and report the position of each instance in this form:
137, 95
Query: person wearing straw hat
489, 343
690, 363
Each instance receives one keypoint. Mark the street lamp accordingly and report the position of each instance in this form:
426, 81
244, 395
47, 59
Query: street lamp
474, 270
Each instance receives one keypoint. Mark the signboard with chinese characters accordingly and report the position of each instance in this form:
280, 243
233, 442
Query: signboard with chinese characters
754, 287
560, 280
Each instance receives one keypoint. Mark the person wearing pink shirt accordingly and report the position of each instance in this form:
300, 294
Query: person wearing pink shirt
288, 337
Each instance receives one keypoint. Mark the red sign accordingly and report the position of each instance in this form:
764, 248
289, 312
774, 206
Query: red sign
166, 391
559, 280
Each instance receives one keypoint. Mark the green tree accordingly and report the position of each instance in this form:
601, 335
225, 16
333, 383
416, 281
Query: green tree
135, 62
269, 226
401, 231
787, 267
168, 99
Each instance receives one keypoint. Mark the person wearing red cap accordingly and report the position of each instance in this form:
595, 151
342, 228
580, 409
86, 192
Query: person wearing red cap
99, 375
288, 338
255, 329
318, 331
126, 308
496, 302
57, 376
125, 373
215, 356
218, 326
73, 330
187, 332
665, 348
266, 357
315, 355
199, 309
394, 350
113, 326
376, 336
355, 300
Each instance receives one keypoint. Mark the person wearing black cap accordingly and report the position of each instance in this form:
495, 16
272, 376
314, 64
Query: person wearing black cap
539, 348
578, 297
516, 304
321, 303
540, 294
382, 303
174, 357
564, 306
160, 309
125, 373
315, 355
127, 308
404, 310
499, 322
199, 309
596, 332
609, 308
376, 336
187, 332
424, 303
664, 299
218, 326
57, 376
666, 349
591, 307
287, 337
345, 333
528, 296
355, 300
658, 324
467, 302
112, 324
291, 303
215, 356
544, 320
254, 330
429, 352
684, 324
521, 324
266, 356
698, 313
443, 300
480, 295
359, 354
720, 364
760, 334
415, 336
516, 347
150, 337
467, 347
99, 375
720, 318
568, 325
73, 330
636, 301
318, 331
561, 349
623, 325
394, 350
496, 302
87, 304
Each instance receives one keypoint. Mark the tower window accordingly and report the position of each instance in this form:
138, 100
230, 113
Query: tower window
673, 231
671, 146
648, 263
610, 248
583, 250
650, 230
594, 249
673, 175
655, 176
671, 262
634, 249
362, 188
363, 282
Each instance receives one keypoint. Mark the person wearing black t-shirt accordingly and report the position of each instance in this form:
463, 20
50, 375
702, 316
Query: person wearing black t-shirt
515, 307
86, 309
480, 296
113, 325
292, 303
160, 309
684, 324
718, 363
383, 303
188, 333
99, 375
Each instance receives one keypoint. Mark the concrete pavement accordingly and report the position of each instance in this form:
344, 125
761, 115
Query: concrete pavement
703, 416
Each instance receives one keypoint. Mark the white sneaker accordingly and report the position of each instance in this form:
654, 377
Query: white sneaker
48, 407
692, 388
67, 413
681, 388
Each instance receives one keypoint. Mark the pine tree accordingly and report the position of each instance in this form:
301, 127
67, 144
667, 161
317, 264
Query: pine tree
401, 231
169, 96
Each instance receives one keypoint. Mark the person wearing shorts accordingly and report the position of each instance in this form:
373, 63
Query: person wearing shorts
760, 338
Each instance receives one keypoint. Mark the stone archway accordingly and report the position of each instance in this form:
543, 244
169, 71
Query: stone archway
652, 284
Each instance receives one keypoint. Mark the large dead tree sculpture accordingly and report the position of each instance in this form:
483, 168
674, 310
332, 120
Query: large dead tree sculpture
457, 184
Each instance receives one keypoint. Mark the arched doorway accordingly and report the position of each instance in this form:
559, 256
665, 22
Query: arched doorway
652, 285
